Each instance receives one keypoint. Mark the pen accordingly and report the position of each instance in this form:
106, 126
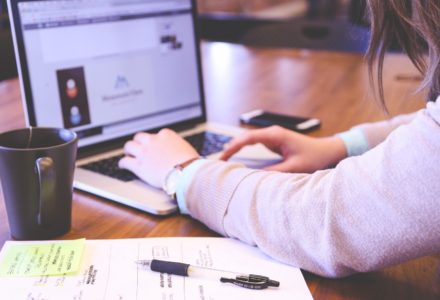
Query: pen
249, 281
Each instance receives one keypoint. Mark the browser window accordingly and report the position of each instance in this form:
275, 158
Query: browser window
109, 68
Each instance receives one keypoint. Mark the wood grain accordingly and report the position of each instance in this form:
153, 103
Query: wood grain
330, 86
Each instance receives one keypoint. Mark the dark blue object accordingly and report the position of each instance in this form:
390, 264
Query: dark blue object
169, 267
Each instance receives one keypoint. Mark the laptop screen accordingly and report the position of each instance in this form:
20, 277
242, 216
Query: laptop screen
109, 68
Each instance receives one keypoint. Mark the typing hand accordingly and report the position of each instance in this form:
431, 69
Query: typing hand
301, 153
152, 156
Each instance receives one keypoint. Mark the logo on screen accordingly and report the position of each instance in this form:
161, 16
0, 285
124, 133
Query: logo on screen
121, 82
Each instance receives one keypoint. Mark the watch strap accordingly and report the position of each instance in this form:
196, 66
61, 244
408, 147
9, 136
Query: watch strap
186, 163
176, 168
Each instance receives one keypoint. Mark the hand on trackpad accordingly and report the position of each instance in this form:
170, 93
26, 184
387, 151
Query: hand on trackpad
256, 156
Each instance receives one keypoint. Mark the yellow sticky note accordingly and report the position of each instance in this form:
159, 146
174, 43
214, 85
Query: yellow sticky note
36, 259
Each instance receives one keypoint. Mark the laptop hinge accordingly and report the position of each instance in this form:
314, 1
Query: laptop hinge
183, 127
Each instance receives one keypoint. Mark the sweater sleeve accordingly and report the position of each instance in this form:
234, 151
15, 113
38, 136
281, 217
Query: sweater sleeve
375, 133
371, 211
362, 138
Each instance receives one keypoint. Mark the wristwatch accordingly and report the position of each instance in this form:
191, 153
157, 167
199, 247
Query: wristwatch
174, 177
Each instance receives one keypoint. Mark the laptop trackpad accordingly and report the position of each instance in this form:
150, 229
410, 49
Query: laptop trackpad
256, 157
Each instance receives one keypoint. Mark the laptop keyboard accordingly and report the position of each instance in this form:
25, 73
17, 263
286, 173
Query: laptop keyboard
205, 143
109, 167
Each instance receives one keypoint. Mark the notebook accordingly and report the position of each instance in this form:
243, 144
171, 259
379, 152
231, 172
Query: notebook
108, 69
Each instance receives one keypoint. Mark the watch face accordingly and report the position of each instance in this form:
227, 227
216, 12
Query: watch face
171, 181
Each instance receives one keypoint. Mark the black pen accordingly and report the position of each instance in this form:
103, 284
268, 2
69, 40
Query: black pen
249, 281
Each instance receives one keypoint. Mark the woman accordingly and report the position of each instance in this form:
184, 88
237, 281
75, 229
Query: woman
379, 206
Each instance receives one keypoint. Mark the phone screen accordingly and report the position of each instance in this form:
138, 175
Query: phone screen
273, 119
264, 119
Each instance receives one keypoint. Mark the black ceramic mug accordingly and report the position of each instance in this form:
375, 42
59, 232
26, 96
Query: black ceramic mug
36, 172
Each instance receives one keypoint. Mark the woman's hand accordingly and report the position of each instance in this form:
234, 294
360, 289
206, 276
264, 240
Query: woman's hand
152, 156
301, 153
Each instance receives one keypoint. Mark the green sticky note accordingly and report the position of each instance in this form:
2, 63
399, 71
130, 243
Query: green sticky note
36, 259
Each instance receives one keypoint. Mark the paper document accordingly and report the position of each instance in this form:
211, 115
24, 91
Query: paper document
108, 270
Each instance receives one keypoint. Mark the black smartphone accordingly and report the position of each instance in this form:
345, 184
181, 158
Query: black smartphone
263, 118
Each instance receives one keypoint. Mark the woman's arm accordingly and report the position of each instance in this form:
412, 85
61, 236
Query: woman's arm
371, 211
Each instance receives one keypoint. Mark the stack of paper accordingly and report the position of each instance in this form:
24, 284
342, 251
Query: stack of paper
106, 269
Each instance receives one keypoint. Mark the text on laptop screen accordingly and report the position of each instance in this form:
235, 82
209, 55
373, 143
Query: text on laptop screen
110, 68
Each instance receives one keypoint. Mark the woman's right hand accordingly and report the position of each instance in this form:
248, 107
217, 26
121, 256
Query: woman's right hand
301, 153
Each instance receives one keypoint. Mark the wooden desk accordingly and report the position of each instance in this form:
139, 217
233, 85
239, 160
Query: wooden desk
329, 86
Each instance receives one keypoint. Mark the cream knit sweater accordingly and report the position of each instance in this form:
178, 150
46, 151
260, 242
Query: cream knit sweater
370, 211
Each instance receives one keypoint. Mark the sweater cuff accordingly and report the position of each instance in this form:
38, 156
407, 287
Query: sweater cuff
212, 189
355, 141
182, 186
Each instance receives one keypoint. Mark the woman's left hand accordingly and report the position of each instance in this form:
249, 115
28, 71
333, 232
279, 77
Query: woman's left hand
152, 156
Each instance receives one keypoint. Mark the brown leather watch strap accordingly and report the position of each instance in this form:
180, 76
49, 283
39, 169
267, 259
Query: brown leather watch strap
186, 163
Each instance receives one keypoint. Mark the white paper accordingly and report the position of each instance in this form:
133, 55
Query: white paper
108, 271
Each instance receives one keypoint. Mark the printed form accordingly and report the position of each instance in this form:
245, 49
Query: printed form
108, 270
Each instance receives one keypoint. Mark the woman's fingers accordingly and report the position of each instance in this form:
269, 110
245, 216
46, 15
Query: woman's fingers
142, 137
128, 163
140, 141
133, 148
271, 137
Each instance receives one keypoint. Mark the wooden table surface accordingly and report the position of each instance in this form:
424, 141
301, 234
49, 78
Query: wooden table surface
330, 86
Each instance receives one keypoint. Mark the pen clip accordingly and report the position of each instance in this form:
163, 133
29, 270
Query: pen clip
252, 281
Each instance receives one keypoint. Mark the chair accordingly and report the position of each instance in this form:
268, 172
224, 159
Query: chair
319, 29
8, 68
227, 28
335, 35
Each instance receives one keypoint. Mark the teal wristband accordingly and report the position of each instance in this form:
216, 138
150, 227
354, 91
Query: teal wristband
355, 141
182, 187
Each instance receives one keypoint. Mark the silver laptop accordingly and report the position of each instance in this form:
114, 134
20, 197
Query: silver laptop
108, 69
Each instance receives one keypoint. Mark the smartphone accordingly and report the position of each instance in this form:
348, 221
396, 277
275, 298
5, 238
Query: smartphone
263, 118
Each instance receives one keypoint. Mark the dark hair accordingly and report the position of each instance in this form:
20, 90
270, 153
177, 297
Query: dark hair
415, 24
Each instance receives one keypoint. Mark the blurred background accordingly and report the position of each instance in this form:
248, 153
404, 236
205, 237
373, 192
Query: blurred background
312, 24
335, 25
278, 9
7, 61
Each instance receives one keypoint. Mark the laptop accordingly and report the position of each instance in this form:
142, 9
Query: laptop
108, 69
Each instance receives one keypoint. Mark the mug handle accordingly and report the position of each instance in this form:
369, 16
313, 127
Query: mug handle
46, 178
